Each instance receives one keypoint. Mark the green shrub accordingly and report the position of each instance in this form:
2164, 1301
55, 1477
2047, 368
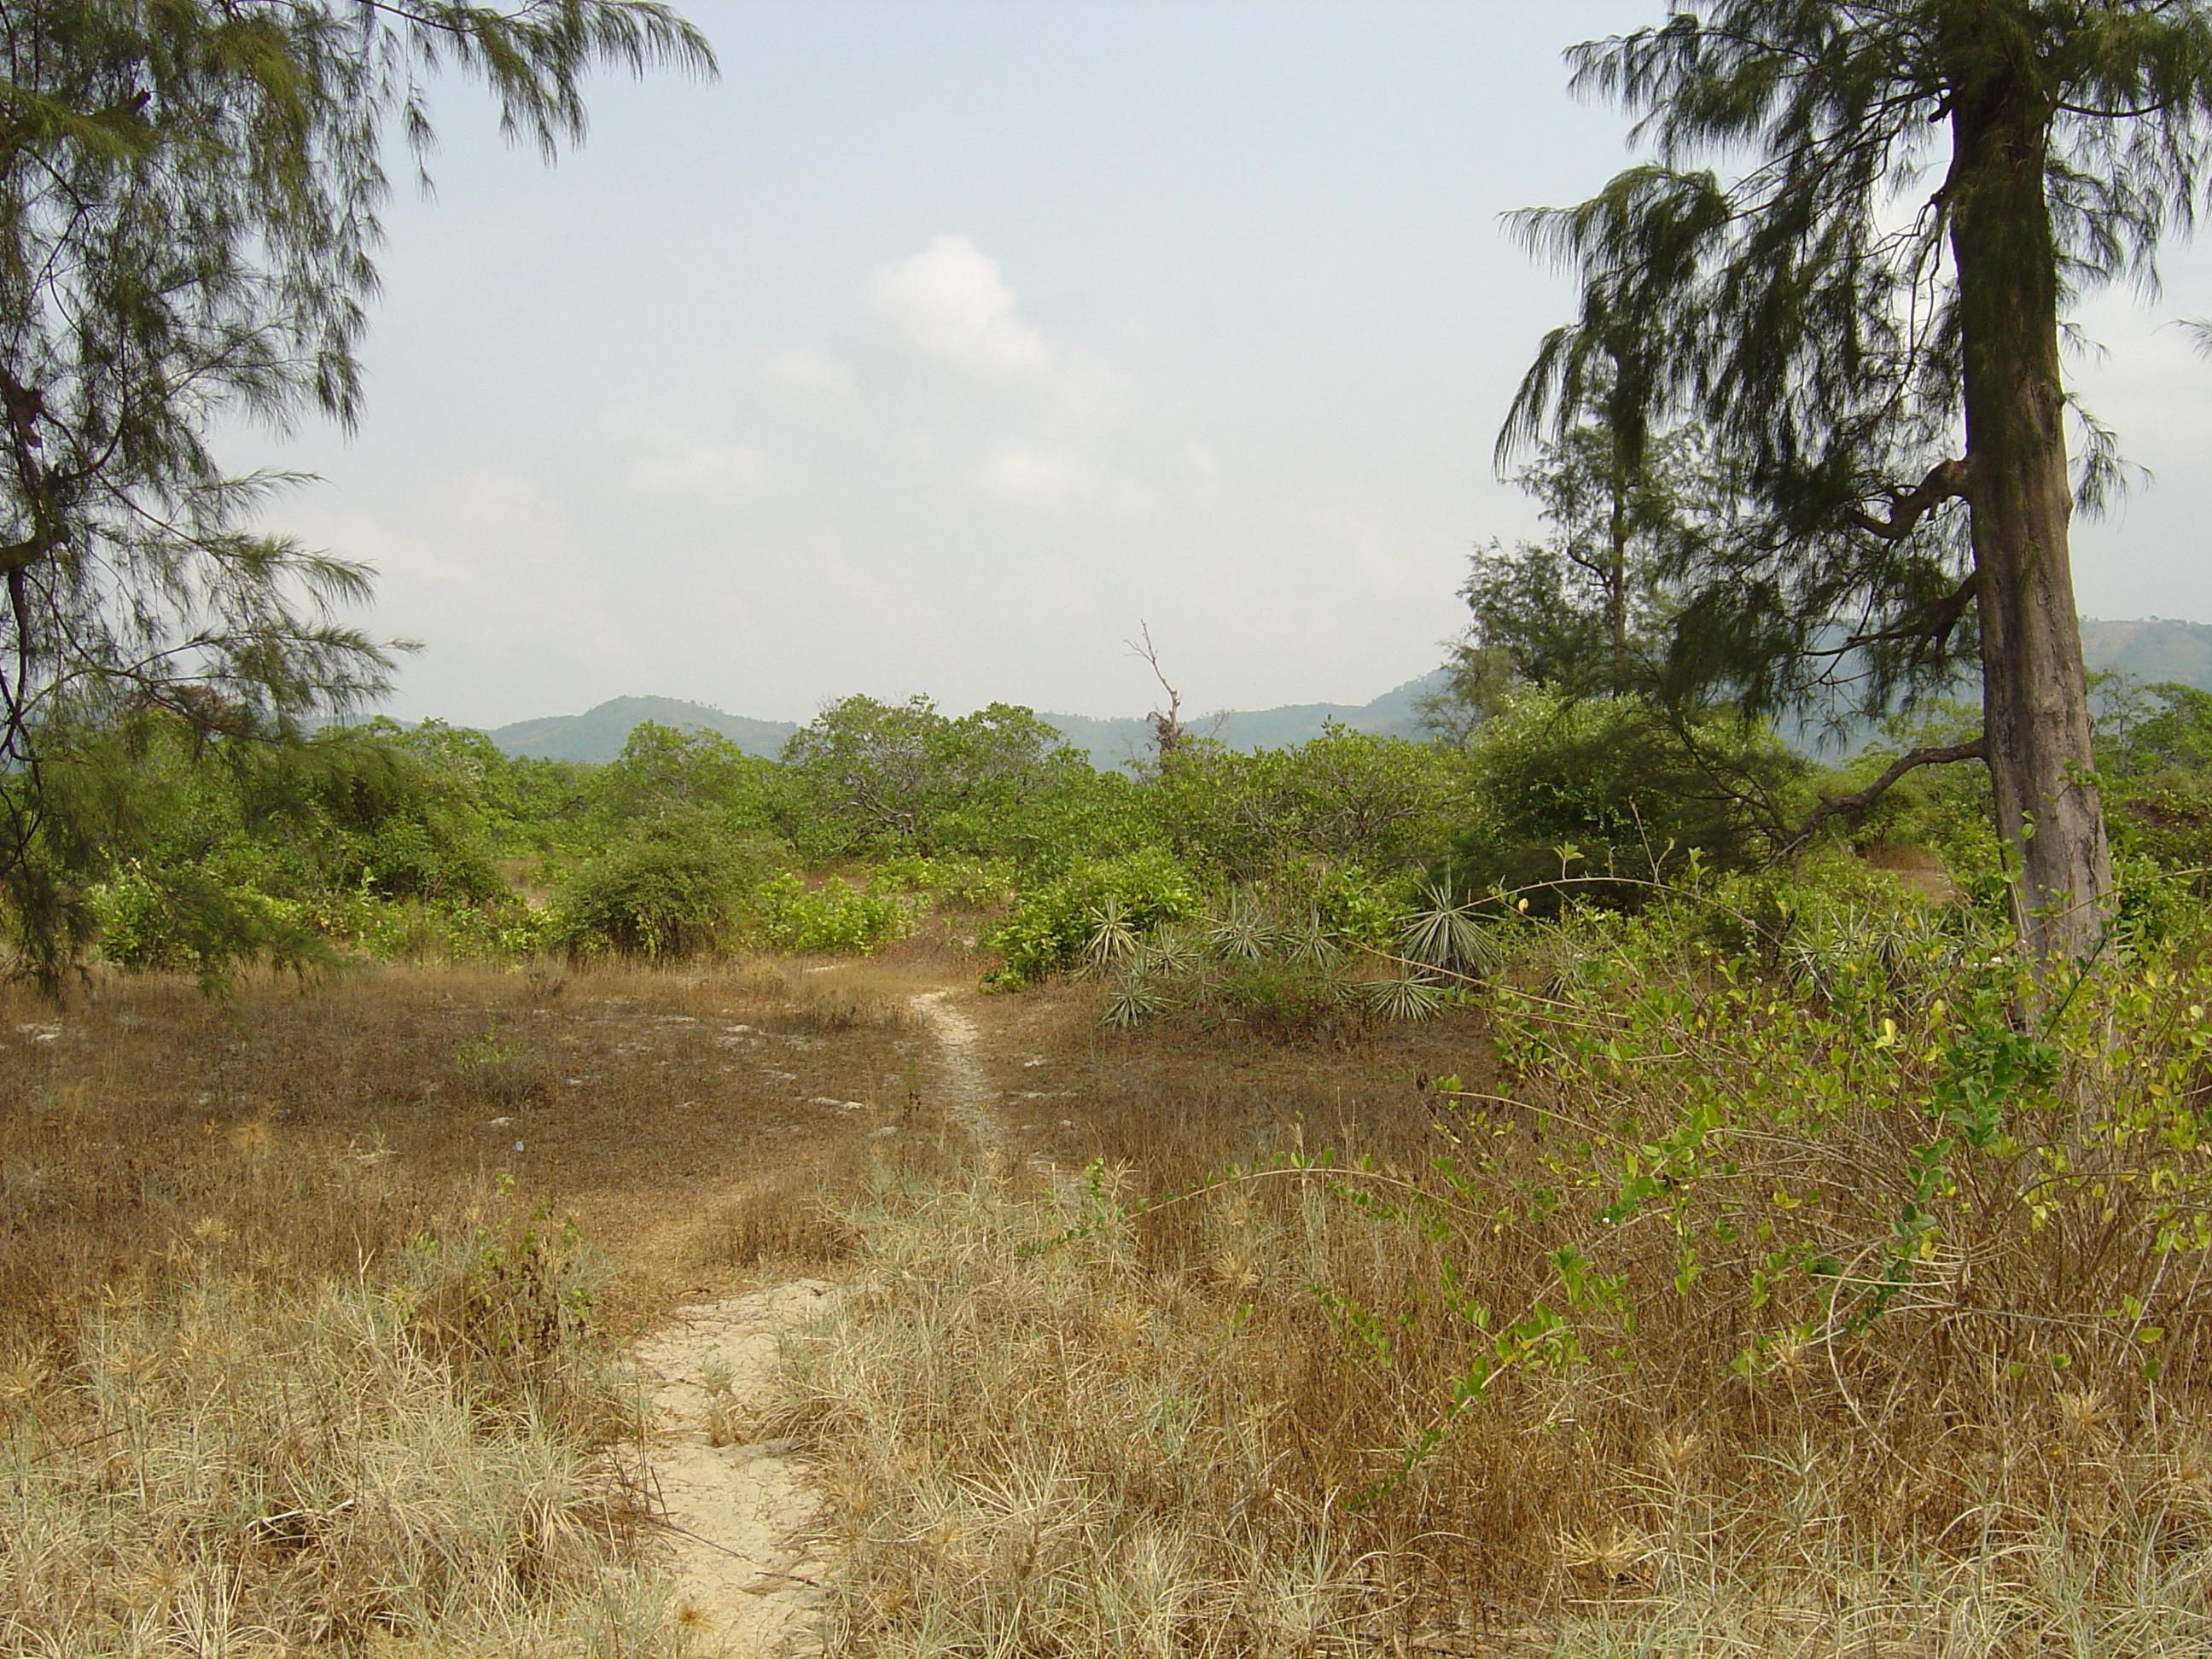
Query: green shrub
1286, 997
1284, 971
1053, 922
966, 883
1610, 796
872, 777
189, 920
799, 920
411, 930
1345, 796
681, 888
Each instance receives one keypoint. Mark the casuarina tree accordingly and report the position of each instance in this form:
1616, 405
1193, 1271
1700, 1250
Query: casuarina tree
1849, 265
189, 199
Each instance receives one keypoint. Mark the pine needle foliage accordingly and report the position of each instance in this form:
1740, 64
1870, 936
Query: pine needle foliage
1849, 264
189, 215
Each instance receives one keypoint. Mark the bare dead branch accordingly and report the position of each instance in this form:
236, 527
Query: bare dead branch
1168, 731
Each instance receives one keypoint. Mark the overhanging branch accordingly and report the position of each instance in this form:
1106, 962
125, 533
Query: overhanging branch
1931, 629
1945, 480
1830, 805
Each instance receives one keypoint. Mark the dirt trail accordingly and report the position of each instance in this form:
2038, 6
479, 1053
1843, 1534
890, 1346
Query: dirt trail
742, 1556
739, 1512
966, 1090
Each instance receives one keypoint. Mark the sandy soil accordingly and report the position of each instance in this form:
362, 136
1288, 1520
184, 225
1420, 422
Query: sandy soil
738, 1509
748, 1566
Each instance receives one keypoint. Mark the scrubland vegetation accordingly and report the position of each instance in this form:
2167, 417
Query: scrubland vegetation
1729, 1307
1599, 1182
1451, 1198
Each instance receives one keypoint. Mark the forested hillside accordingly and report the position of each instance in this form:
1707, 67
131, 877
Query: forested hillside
598, 734
2151, 650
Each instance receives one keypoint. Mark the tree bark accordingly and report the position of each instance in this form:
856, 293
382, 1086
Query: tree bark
2035, 695
1616, 579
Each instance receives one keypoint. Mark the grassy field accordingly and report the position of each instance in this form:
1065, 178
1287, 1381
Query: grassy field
311, 1300
314, 1304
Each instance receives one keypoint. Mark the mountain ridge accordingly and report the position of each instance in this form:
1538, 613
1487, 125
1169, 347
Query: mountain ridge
598, 734
2151, 648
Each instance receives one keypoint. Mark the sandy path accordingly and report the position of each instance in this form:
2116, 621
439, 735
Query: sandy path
740, 1514
966, 1090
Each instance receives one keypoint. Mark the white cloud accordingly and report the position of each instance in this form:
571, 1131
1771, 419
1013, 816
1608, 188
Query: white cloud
807, 376
950, 302
356, 536
684, 463
1026, 476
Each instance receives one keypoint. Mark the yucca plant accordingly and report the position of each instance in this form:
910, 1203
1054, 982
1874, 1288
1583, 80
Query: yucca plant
1312, 942
1448, 934
1135, 999
1406, 996
1176, 953
1247, 964
1113, 937
1244, 930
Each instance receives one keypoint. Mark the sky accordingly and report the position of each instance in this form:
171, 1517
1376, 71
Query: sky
938, 346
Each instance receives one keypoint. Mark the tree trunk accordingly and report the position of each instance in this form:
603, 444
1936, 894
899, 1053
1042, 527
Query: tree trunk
2035, 696
1616, 581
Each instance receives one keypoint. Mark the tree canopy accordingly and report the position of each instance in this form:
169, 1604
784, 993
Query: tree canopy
1847, 266
189, 201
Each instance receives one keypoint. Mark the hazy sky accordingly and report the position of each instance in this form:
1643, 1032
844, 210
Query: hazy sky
937, 346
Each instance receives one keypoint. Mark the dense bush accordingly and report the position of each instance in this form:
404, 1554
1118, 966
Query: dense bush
383, 838
1054, 920
901, 778
966, 884
189, 921
662, 770
798, 919
1610, 795
678, 887
1345, 796
1282, 968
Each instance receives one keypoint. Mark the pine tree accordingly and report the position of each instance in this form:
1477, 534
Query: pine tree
189, 200
1864, 320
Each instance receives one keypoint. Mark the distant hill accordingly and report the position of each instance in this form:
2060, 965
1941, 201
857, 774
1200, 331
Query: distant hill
2154, 649
1112, 742
598, 734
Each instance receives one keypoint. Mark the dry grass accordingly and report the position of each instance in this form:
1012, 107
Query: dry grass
1053, 1425
1054, 1419
1078, 1451
298, 1348
225, 1468
299, 1134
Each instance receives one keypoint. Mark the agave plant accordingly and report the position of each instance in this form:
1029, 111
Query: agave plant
1891, 945
1244, 930
1175, 953
1113, 937
1410, 995
1135, 999
1312, 942
1446, 933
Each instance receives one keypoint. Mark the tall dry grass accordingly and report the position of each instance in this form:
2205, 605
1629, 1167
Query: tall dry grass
297, 1352
1702, 1318
425, 1461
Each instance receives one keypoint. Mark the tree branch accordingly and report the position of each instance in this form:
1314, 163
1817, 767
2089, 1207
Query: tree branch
1931, 629
1168, 732
1830, 805
1945, 480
